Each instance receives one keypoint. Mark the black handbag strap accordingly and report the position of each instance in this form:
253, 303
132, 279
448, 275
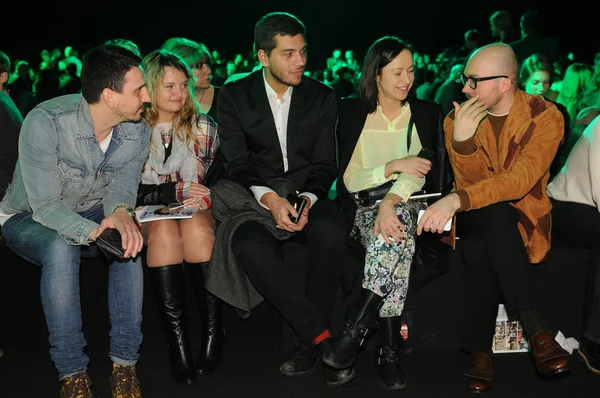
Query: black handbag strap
409, 135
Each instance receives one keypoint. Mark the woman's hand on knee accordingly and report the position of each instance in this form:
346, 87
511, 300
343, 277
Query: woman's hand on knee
388, 225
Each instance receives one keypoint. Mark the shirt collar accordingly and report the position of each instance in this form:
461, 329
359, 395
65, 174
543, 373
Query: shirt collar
403, 110
272, 94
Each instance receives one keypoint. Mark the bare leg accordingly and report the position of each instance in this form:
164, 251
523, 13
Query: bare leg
164, 242
198, 237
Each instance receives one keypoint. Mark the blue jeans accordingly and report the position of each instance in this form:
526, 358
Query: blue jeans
60, 263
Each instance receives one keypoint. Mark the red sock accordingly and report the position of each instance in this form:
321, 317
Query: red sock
322, 337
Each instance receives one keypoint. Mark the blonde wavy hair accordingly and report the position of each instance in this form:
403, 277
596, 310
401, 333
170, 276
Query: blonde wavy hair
154, 65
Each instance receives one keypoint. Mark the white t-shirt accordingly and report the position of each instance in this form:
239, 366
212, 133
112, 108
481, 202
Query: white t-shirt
106, 142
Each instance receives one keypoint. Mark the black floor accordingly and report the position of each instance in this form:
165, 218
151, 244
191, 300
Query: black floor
251, 359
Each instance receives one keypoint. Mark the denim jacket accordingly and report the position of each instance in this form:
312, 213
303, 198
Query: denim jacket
61, 170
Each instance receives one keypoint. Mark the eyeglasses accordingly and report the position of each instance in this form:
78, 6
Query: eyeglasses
472, 81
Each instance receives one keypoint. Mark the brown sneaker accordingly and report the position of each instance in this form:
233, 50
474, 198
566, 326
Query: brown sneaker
124, 382
77, 386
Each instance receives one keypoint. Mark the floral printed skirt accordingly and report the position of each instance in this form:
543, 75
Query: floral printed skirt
387, 267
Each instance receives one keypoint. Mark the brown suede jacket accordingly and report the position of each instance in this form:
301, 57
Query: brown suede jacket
515, 170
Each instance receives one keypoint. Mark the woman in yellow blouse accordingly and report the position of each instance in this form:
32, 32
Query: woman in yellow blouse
380, 133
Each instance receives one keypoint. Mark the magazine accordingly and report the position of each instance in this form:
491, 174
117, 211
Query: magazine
509, 335
149, 213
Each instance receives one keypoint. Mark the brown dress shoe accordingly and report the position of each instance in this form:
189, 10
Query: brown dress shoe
549, 357
480, 377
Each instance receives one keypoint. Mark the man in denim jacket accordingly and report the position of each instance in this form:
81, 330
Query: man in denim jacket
79, 165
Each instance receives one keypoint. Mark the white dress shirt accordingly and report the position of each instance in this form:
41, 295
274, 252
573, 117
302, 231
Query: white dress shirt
281, 111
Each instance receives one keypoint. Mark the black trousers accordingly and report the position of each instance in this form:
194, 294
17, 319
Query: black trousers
305, 304
497, 268
579, 225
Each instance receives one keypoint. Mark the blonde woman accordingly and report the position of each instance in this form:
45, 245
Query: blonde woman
183, 144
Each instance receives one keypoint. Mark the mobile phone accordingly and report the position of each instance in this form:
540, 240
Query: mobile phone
426, 153
447, 227
299, 205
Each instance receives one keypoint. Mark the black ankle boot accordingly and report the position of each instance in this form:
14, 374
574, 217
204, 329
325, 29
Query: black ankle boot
213, 336
360, 323
387, 358
168, 286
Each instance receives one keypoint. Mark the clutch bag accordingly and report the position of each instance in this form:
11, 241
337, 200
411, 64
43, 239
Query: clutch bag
110, 243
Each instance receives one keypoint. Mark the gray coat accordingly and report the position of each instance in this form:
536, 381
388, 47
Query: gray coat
232, 206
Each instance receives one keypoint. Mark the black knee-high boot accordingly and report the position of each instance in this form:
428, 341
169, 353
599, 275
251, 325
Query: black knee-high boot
168, 285
360, 323
213, 336
389, 347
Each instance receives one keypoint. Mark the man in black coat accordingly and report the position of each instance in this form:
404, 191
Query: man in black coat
276, 123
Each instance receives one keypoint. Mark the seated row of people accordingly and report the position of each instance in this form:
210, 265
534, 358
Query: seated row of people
86, 161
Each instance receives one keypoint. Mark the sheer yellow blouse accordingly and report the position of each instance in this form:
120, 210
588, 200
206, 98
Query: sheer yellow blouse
381, 141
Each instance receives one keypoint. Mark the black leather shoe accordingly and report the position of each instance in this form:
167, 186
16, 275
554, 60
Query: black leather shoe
342, 351
360, 324
389, 370
338, 377
168, 285
388, 356
213, 336
213, 333
301, 361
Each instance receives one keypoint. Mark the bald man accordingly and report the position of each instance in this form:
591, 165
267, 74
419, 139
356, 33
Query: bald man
501, 142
